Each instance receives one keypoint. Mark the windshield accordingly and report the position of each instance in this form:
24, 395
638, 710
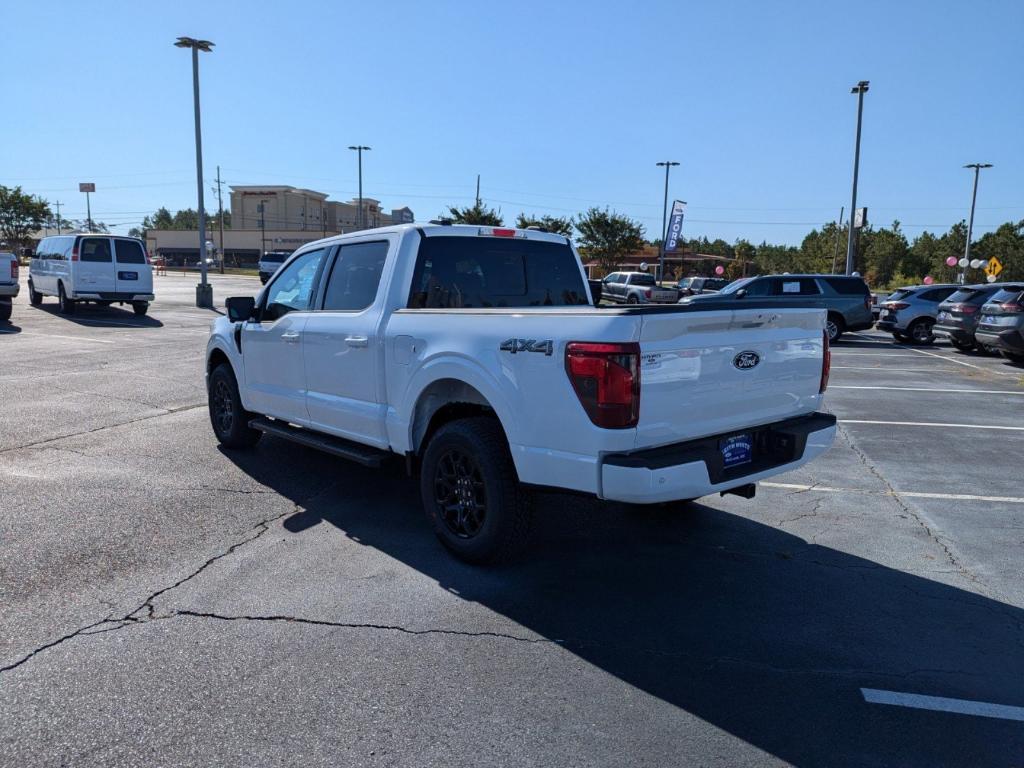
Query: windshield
735, 285
1010, 293
902, 293
967, 296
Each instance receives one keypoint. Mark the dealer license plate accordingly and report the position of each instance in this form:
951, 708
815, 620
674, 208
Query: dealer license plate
736, 450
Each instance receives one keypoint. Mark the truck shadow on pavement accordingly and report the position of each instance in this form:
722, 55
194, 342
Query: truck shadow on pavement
739, 623
91, 315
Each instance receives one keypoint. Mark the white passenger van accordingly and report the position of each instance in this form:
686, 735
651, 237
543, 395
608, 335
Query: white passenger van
100, 268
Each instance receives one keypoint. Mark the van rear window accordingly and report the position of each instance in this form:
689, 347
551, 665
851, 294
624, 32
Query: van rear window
129, 252
453, 272
95, 249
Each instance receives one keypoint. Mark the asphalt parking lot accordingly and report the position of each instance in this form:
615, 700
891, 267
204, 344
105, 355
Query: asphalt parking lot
166, 603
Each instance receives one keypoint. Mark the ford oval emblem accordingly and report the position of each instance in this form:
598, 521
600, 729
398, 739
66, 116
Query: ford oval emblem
746, 360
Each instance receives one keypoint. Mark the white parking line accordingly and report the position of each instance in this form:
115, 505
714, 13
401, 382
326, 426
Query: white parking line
883, 369
906, 494
837, 353
943, 425
942, 704
73, 338
929, 389
949, 359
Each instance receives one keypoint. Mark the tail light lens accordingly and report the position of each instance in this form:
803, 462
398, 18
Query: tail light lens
606, 378
868, 303
74, 251
14, 269
897, 305
826, 363
967, 309
647, 292
1012, 307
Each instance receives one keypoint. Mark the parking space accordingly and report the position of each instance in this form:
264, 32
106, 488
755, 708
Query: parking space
282, 606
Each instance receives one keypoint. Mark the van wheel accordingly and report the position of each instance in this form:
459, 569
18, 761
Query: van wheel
140, 307
921, 331
67, 306
229, 420
6, 307
471, 493
34, 297
835, 326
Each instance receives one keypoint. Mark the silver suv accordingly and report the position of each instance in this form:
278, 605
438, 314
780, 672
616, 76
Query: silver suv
270, 262
909, 313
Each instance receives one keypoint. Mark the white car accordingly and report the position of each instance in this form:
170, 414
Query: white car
105, 269
9, 286
476, 354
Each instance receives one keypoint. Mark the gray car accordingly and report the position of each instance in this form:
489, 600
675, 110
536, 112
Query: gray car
909, 313
846, 298
636, 288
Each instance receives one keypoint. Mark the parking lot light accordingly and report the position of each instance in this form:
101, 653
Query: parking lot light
970, 225
860, 89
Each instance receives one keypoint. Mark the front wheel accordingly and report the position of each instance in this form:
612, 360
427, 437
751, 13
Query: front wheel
471, 492
230, 421
35, 298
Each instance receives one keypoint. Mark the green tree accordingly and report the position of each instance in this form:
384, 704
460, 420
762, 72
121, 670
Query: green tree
561, 225
1007, 245
885, 255
477, 214
20, 215
607, 236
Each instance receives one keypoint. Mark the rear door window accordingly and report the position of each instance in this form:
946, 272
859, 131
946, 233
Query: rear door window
355, 276
95, 249
937, 294
129, 252
453, 272
641, 279
848, 286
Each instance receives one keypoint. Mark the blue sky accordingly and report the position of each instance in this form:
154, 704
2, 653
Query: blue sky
557, 105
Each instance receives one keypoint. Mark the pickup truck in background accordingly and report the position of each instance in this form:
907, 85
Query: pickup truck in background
9, 286
477, 355
636, 288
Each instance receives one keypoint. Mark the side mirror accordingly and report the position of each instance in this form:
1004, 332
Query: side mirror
241, 308
596, 290
741, 293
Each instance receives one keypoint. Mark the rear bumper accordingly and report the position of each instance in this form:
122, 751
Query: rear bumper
695, 468
9, 290
861, 326
113, 296
957, 333
1012, 340
889, 326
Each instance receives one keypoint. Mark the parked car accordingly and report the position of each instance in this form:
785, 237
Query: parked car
270, 262
909, 313
1002, 323
9, 285
959, 314
846, 299
476, 354
636, 288
876, 308
104, 269
693, 286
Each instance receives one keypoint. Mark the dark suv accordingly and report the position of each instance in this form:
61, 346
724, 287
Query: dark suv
959, 314
691, 286
846, 298
1002, 323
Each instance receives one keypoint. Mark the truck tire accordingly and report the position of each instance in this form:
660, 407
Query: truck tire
67, 306
835, 326
6, 306
229, 420
471, 493
34, 297
920, 331
140, 308
632, 300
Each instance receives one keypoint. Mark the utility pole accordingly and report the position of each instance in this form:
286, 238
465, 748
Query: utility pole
839, 228
860, 89
57, 204
88, 213
664, 219
970, 226
263, 228
478, 190
359, 148
220, 214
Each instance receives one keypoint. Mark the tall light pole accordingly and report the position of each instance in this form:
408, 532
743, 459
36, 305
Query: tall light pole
204, 291
359, 148
664, 218
970, 225
860, 89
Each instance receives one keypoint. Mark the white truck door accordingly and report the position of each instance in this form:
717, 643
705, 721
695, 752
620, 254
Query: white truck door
272, 349
134, 275
343, 356
95, 270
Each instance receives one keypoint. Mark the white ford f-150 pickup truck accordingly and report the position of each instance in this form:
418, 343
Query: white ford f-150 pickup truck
477, 353
9, 286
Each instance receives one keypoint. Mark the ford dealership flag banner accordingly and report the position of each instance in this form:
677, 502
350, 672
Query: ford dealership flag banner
675, 226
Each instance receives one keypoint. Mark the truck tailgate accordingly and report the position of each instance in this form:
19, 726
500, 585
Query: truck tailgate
710, 372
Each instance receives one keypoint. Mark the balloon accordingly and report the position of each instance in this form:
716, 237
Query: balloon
928, 280
951, 261
976, 263
991, 278
719, 270
643, 266
963, 263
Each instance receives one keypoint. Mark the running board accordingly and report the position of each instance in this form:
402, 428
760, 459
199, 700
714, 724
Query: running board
336, 446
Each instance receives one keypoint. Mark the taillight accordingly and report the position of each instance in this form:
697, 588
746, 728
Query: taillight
967, 309
606, 378
74, 251
498, 232
897, 305
14, 269
647, 292
868, 303
826, 363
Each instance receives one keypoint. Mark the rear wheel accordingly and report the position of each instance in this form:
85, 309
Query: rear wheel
834, 326
471, 492
229, 420
632, 300
921, 331
901, 337
34, 297
6, 307
67, 306
963, 346
140, 307
1013, 357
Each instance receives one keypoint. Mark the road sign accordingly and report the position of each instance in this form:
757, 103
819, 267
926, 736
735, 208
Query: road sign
994, 267
87, 186
860, 218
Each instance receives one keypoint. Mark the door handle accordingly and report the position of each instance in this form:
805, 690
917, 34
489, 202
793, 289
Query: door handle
357, 341
290, 337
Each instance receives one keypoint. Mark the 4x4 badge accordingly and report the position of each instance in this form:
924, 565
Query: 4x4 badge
527, 345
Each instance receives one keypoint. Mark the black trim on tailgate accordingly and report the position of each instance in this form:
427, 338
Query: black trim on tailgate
774, 444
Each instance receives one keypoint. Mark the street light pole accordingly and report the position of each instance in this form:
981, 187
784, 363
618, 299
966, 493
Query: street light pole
664, 218
361, 221
860, 89
970, 225
204, 291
